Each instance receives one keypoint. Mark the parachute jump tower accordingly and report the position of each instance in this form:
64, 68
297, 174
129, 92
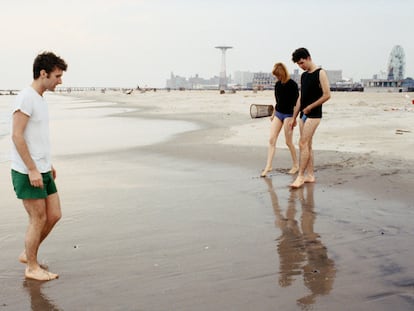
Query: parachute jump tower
223, 75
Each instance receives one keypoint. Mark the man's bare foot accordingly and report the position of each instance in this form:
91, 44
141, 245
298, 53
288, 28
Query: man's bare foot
294, 170
23, 260
265, 171
40, 274
299, 181
310, 178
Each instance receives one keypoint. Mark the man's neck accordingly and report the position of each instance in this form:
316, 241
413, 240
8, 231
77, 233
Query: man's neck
38, 87
312, 67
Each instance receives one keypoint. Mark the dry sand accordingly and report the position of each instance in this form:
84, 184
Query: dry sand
164, 210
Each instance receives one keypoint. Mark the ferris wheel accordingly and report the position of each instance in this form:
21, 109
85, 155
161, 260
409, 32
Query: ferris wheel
396, 64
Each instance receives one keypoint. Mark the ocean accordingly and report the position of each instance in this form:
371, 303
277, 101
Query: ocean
5, 106
67, 112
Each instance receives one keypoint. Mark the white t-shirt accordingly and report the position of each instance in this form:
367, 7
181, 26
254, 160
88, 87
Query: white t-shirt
36, 133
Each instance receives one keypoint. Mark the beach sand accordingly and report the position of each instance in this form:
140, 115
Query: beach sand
164, 209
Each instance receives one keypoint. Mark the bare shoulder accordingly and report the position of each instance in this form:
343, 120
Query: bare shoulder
323, 72
323, 76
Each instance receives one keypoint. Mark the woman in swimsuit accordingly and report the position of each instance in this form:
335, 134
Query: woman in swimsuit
286, 95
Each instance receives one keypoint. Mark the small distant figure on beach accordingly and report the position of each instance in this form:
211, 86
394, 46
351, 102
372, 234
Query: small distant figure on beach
286, 95
33, 175
314, 92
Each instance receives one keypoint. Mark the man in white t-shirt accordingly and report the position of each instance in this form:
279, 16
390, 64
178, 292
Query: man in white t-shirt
32, 172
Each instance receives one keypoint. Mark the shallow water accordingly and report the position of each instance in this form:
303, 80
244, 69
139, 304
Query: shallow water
145, 230
185, 235
5, 104
101, 132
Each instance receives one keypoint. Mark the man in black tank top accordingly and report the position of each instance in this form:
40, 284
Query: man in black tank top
314, 92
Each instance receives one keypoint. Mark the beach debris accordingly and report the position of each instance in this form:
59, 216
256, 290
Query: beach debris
75, 246
260, 111
410, 109
400, 132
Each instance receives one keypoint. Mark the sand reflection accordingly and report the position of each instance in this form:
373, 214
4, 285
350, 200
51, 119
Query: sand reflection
301, 252
38, 300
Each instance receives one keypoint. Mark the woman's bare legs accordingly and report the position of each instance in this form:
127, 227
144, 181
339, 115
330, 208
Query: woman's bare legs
275, 128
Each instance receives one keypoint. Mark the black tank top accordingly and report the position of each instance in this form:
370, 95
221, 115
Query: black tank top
310, 92
286, 95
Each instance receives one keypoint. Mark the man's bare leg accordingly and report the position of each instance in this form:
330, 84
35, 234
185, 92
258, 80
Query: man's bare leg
310, 174
275, 128
305, 146
289, 142
43, 214
53, 213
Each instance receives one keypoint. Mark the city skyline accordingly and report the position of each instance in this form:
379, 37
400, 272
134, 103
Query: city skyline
135, 42
240, 79
380, 75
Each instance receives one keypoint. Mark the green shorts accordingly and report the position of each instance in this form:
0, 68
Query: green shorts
24, 190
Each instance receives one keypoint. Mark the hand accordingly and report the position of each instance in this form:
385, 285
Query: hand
272, 117
307, 110
35, 178
292, 123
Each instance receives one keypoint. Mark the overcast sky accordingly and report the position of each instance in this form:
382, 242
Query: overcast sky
140, 42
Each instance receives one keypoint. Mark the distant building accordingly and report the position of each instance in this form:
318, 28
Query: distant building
243, 79
198, 83
263, 80
383, 85
193, 83
177, 82
334, 76
408, 85
295, 76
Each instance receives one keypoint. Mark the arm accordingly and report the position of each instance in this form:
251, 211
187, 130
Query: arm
295, 113
326, 92
20, 121
274, 107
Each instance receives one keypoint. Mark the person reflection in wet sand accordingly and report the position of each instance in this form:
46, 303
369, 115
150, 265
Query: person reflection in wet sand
290, 243
300, 250
38, 300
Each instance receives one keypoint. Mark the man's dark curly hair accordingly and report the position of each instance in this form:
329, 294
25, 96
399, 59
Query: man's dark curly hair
299, 54
47, 61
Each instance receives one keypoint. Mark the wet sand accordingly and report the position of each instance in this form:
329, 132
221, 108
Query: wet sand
185, 223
